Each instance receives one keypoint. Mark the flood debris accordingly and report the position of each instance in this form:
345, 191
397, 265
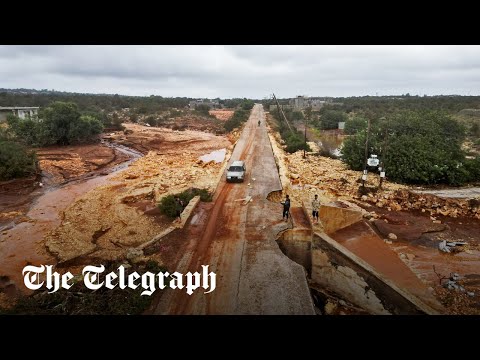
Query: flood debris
451, 246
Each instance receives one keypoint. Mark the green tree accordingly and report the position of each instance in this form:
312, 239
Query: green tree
84, 129
354, 125
424, 147
58, 118
331, 118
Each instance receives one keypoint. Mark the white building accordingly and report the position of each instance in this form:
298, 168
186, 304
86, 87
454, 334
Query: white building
21, 111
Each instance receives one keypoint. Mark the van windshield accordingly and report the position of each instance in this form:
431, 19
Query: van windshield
235, 168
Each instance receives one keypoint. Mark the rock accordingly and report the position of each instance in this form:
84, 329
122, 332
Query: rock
294, 176
392, 236
437, 222
330, 308
403, 256
389, 242
134, 253
343, 303
423, 210
442, 246
471, 293
430, 289
410, 257
364, 197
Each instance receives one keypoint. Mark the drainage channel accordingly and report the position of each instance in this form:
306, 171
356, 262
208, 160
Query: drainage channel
342, 279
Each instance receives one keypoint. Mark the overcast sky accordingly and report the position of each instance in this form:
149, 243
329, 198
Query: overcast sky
244, 71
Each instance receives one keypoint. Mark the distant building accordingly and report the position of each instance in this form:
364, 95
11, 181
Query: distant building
303, 102
21, 112
212, 104
341, 125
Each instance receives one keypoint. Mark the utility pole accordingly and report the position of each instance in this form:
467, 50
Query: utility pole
364, 176
384, 153
308, 113
280, 110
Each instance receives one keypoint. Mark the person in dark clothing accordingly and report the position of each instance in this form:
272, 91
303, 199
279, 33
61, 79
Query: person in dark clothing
286, 207
178, 207
258, 122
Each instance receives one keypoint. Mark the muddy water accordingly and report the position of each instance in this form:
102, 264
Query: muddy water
425, 258
333, 141
22, 244
218, 156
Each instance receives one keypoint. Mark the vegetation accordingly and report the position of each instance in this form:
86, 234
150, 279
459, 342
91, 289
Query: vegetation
79, 300
15, 160
294, 140
61, 123
168, 205
94, 102
330, 119
203, 110
354, 125
238, 118
424, 147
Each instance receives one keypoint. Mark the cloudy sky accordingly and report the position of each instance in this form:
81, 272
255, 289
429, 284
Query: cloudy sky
244, 71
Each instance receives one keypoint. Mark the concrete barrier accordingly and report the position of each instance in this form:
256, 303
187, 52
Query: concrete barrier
336, 268
334, 218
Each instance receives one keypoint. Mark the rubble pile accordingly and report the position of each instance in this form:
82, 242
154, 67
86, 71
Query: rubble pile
336, 180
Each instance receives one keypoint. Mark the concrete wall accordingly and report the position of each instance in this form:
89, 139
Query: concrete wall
341, 271
334, 218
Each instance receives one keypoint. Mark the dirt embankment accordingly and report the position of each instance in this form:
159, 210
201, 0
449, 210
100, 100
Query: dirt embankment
108, 220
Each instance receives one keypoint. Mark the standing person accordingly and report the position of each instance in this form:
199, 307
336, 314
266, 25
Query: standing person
286, 207
258, 122
315, 207
178, 208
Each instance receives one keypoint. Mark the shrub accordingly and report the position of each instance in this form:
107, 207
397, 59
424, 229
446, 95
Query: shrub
16, 161
237, 119
168, 205
203, 110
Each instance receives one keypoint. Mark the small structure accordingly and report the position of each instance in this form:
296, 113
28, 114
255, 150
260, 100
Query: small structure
21, 111
212, 104
341, 125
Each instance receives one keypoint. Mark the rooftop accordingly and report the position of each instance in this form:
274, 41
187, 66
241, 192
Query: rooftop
18, 107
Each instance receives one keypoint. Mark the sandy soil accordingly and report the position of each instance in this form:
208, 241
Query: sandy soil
222, 115
111, 218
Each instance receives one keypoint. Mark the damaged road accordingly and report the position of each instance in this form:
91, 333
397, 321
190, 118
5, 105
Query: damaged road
238, 242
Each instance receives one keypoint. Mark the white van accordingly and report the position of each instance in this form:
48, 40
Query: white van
236, 171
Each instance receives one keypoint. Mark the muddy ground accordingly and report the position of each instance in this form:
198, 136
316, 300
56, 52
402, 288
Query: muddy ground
58, 165
81, 214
